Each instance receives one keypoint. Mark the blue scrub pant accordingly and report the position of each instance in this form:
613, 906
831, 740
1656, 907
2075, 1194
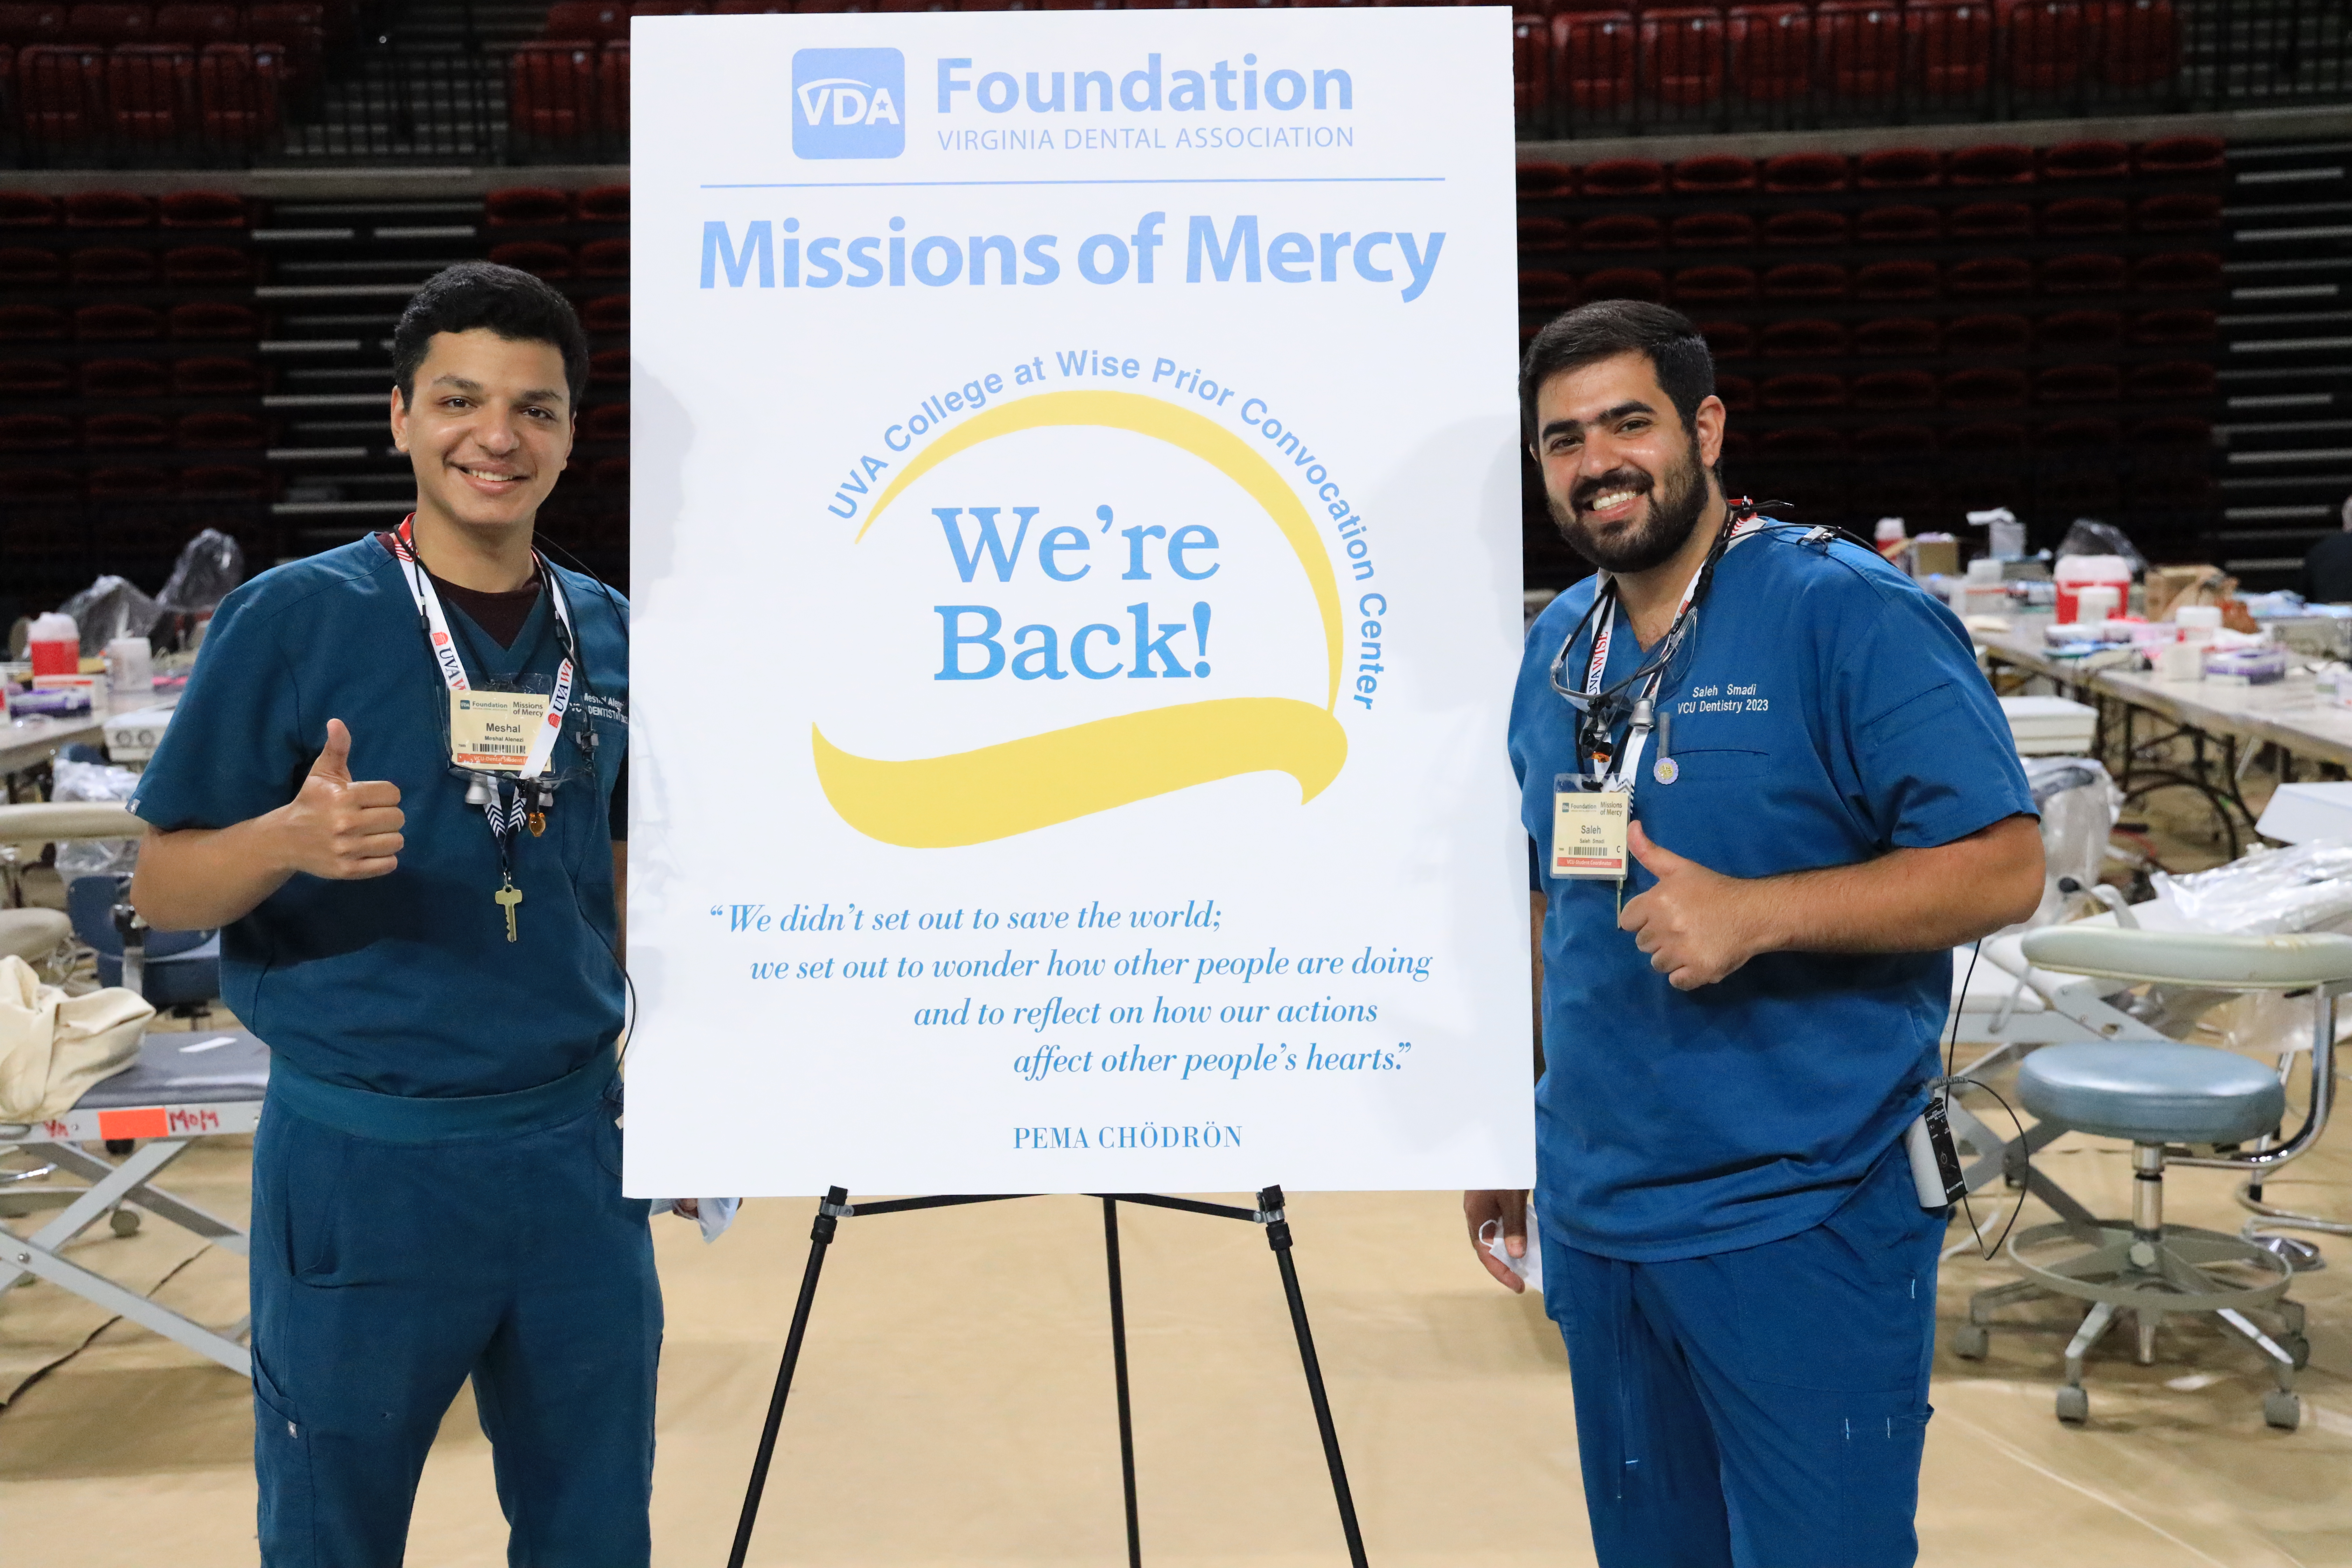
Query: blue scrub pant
385, 1274
1763, 1409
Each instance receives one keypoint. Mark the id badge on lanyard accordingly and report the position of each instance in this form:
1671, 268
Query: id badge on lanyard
490, 731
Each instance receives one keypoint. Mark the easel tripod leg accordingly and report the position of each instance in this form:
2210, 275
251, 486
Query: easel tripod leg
1119, 1370
1277, 1237
820, 1237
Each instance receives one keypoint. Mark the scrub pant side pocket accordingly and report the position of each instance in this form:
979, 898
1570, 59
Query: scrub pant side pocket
1878, 1485
281, 1467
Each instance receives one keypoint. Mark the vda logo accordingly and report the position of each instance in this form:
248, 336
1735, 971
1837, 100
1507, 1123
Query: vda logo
845, 103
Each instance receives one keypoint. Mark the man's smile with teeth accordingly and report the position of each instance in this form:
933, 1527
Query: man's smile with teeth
1610, 501
483, 473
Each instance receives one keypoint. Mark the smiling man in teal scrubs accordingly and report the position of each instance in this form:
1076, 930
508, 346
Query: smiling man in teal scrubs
1787, 794
394, 782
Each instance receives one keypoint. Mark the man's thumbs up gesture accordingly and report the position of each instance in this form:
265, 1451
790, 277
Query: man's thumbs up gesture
1697, 925
339, 828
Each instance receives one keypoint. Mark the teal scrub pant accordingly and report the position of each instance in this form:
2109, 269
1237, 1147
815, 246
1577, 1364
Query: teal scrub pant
385, 1274
1763, 1409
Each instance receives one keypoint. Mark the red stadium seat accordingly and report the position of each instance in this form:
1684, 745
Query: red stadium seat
21, 24
2177, 434
2078, 217
1895, 443
1986, 439
1988, 335
109, 209
1713, 285
2177, 273
2139, 41
1906, 336
1803, 389
2085, 160
2178, 212
1805, 173
538, 257
1899, 169
606, 313
2073, 330
605, 204
551, 90
1772, 51
198, 23
1546, 236
1860, 48
203, 209
1884, 391
2172, 380
571, 21
130, 484
2176, 327
1802, 443
1737, 393
61, 93
1530, 67
151, 92
526, 206
237, 87
299, 32
220, 481
613, 473
1969, 390
612, 89
1541, 180
1713, 175
1899, 225
1805, 280
1807, 226
2047, 40
2078, 384
1728, 340
2077, 436
1803, 338
1548, 291
1682, 54
1614, 179
1980, 222
2085, 272
211, 377
1951, 44
1998, 164
2175, 157
35, 485
36, 433
607, 422
1895, 280
1621, 231
117, 324
110, 266
31, 324
208, 265
222, 431
29, 209
609, 367
1625, 283
605, 259
34, 378
1712, 231
110, 25
1593, 62
113, 378
1988, 277
22, 267
200, 319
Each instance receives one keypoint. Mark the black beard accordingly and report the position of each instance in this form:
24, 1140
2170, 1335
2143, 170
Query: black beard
1674, 514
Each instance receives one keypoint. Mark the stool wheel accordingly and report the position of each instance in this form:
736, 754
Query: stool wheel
1971, 1342
123, 1222
2297, 1348
2075, 1406
2281, 1409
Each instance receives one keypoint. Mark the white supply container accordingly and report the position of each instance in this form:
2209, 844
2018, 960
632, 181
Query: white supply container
130, 667
2098, 602
55, 645
2197, 623
2076, 573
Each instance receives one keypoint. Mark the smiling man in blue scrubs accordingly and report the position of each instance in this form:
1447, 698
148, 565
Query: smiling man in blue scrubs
394, 782
1782, 793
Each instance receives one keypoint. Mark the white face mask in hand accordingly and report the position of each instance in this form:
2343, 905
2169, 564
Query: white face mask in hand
1528, 1269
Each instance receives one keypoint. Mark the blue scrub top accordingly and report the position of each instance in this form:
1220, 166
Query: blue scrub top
404, 984
1824, 710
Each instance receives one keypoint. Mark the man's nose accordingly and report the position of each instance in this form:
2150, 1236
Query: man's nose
1598, 457
495, 434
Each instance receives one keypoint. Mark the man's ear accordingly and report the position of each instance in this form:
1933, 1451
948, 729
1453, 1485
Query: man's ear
1708, 423
399, 416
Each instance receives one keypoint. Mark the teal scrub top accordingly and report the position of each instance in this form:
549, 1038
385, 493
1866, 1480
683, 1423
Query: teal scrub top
1823, 711
405, 984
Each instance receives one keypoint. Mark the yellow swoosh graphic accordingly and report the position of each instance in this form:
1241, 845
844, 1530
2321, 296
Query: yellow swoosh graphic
974, 797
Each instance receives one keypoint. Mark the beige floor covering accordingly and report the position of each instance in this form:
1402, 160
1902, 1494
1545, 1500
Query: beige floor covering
955, 1406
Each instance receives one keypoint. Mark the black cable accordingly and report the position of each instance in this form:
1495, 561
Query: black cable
2018, 1122
1952, 1051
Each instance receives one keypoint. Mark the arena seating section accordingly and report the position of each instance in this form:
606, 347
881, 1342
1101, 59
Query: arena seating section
163, 367
1915, 333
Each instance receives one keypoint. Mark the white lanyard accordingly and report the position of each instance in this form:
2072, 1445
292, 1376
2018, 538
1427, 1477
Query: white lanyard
453, 668
1620, 777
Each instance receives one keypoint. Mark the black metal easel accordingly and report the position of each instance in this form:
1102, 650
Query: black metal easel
837, 1207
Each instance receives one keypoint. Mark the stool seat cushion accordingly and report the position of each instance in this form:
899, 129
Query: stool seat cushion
2152, 1093
32, 935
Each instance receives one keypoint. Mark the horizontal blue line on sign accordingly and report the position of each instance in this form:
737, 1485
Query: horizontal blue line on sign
1269, 180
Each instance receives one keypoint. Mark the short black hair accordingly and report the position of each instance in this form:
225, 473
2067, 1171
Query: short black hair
517, 306
1607, 328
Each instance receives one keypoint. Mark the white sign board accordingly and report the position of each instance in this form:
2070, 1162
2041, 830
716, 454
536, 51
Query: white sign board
1076, 569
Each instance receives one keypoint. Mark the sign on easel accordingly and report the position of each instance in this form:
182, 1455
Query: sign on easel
1075, 553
